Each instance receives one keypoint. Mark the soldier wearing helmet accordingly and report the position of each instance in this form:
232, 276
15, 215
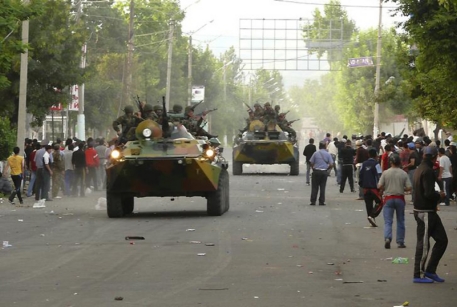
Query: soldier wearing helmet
248, 121
177, 108
148, 112
127, 121
258, 111
268, 113
158, 110
277, 109
193, 123
284, 124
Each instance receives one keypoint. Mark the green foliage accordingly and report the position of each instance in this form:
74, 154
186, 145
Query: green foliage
433, 79
7, 138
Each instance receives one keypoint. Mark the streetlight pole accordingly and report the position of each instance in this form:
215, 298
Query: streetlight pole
378, 74
170, 55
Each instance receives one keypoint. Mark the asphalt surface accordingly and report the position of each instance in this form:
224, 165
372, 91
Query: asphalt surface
270, 249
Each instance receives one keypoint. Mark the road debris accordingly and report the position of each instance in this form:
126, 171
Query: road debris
134, 238
101, 204
353, 282
118, 298
400, 260
201, 254
190, 229
195, 242
209, 244
330, 263
259, 211
382, 280
6, 244
20, 220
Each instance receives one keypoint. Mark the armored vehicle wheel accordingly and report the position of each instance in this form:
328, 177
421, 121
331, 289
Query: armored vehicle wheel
127, 204
237, 168
114, 205
218, 201
294, 168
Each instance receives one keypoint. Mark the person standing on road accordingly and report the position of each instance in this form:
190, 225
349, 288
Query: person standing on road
101, 172
47, 173
68, 181
393, 184
347, 155
333, 151
369, 174
361, 155
445, 175
428, 221
79, 170
321, 161
58, 169
308, 152
16, 164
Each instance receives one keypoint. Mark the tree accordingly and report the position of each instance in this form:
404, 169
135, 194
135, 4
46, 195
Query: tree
433, 79
7, 138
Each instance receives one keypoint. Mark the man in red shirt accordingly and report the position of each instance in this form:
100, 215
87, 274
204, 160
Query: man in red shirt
92, 163
33, 168
385, 157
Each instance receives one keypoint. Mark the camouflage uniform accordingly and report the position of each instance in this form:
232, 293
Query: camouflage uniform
284, 125
128, 121
258, 111
192, 124
248, 121
148, 113
277, 109
268, 114
176, 113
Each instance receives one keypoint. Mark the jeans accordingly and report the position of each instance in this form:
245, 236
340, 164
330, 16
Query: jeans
447, 188
46, 184
31, 184
68, 181
308, 169
92, 177
318, 182
391, 206
17, 181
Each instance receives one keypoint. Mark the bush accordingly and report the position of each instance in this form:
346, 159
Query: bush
7, 138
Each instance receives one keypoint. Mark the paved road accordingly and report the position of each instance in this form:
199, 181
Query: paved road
270, 249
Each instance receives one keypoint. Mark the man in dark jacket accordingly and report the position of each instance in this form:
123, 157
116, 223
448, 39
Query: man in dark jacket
347, 155
369, 175
310, 149
429, 224
78, 160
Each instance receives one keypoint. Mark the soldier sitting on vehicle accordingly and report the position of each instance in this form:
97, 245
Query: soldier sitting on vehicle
284, 124
277, 109
248, 121
128, 121
192, 123
258, 111
148, 112
269, 114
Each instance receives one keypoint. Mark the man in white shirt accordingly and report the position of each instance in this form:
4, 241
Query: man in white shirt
445, 174
333, 151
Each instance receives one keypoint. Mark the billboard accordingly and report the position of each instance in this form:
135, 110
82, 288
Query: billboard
198, 93
360, 62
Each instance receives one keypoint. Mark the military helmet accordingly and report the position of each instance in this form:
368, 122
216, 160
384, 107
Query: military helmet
157, 107
147, 107
277, 107
128, 109
177, 108
267, 104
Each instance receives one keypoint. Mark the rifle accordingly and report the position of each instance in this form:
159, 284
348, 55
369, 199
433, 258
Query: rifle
286, 113
195, 105
250, 109
140, 107
165, 123
207, 112
292, 121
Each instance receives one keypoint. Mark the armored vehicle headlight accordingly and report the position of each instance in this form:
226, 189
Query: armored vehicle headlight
115, 154
209, 153
147, 132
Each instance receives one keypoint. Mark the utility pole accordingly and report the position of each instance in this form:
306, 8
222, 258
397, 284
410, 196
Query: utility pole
22, 108
378, 74
189, 80
170, 55
81, 120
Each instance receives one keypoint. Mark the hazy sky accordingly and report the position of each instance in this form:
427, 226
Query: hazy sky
224, 31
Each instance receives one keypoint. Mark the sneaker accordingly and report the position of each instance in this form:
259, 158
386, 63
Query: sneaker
372, 221
21, 202
307, 183
359, 198
58, 197
419, 280
12, 202
321, 204
387, 244
434, 277
401, 245
312, 204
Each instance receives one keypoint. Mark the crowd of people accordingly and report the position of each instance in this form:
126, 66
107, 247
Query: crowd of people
386, 169
51, 170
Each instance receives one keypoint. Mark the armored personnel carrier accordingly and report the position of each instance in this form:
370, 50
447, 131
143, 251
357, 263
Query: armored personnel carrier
166, 161
265, 144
